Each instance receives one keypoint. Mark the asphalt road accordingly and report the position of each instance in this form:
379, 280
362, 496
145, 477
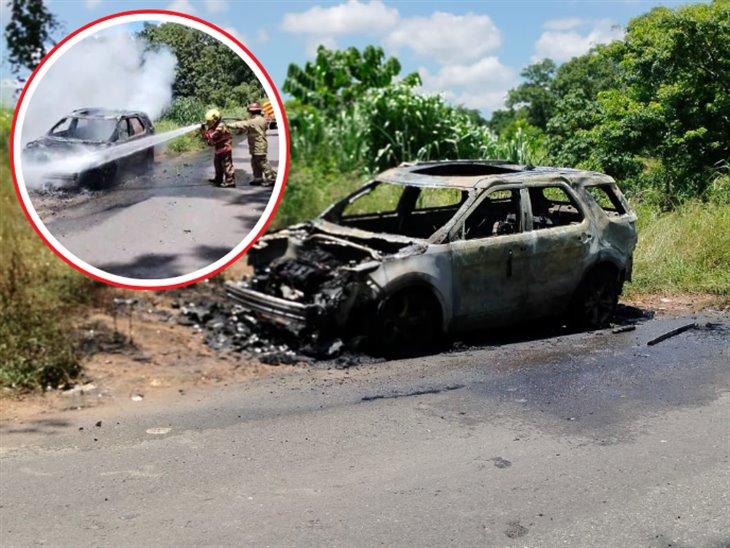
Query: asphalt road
592, 439
163, 224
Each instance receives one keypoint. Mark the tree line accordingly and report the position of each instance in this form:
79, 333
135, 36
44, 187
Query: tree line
652, 109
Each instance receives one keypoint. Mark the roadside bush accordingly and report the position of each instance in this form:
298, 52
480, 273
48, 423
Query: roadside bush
185, 111
310, 189
684, 250
37, 292
185, 143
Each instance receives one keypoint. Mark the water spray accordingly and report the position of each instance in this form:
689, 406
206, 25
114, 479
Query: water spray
38, 173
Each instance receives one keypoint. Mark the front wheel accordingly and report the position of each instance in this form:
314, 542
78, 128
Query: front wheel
407, 323
595, 301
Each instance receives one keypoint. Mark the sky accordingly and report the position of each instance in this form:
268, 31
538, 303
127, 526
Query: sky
470, 51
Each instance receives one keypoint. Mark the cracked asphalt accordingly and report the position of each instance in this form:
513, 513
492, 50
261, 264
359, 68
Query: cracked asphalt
588, 439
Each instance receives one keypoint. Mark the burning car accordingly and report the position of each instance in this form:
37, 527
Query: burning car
435, 248
91, 146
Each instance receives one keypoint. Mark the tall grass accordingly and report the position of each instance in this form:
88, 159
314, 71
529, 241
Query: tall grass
37, 291
396, 124
685, 250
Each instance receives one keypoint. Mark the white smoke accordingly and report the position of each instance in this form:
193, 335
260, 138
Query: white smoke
113, 70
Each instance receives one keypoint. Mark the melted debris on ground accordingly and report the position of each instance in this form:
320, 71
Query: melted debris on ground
230, 328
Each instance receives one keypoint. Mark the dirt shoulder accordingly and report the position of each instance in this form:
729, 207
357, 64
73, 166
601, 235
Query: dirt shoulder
136, 351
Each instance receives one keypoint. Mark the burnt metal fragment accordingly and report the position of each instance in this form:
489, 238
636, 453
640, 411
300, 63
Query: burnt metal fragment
672, 333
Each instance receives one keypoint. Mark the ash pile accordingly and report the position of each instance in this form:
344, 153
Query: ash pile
228, 327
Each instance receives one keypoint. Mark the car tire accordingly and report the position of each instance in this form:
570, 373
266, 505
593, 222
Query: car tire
99, 178
594, 303
149, 159
407, 323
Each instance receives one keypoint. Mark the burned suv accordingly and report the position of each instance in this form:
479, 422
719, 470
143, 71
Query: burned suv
434, 248
91, 147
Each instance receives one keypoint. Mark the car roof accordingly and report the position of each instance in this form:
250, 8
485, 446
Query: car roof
468, 174
105, 113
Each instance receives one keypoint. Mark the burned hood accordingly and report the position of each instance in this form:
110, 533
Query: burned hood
351, 246
49, 148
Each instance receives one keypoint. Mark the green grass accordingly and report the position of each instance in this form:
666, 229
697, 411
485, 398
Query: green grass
683, 251
37, 293
189, 142
310, 191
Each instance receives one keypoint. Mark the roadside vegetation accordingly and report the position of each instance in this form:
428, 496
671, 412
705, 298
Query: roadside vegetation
38, 293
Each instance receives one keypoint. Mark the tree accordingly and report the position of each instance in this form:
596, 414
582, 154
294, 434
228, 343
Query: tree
576, 87
654, 108
208, 72
535, 95
673, 102
336, 77
29, 35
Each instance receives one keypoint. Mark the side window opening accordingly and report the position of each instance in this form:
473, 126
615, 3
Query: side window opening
62, 128
552, 206
135, 126
605, 196
379, 200
498, 214
122, 130
416, 212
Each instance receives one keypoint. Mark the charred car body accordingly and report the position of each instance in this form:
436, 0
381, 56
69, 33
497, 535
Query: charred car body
89, 133
434, 248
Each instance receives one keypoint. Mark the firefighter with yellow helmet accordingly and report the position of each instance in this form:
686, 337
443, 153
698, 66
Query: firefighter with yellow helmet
255, 128
216, 134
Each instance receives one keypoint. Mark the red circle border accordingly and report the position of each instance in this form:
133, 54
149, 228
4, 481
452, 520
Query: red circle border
79, 267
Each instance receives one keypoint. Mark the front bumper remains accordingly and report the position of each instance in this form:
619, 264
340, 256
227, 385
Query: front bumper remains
284, 312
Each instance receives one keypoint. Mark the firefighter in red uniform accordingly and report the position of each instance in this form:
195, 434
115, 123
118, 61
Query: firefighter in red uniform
216, 134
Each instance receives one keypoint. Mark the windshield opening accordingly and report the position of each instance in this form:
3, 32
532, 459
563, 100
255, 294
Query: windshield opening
411, 211
84, 129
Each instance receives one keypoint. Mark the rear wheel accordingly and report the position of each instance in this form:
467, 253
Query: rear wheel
407, 323
595, 301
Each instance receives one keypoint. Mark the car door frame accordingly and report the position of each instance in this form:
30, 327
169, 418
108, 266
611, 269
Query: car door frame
475, 302
559, 255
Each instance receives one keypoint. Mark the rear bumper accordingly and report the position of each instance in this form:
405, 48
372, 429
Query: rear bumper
281, 311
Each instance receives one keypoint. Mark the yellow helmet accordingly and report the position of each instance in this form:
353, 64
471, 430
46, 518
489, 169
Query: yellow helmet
213, 115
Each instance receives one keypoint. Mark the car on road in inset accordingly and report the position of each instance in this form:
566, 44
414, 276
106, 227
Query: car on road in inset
434, 248
88, 147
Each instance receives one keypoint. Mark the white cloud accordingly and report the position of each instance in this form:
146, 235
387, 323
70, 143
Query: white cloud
183, 6
216, 6
487, 101
482, 85
91, 4
245, 40
562, 46
262, 36
563, 24
352, 17
312, 44
446, 37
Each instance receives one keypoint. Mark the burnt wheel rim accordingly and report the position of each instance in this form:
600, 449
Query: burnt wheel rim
406, 321
599, 303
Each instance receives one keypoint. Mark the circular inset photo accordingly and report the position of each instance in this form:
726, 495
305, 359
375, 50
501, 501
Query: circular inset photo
150, 149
